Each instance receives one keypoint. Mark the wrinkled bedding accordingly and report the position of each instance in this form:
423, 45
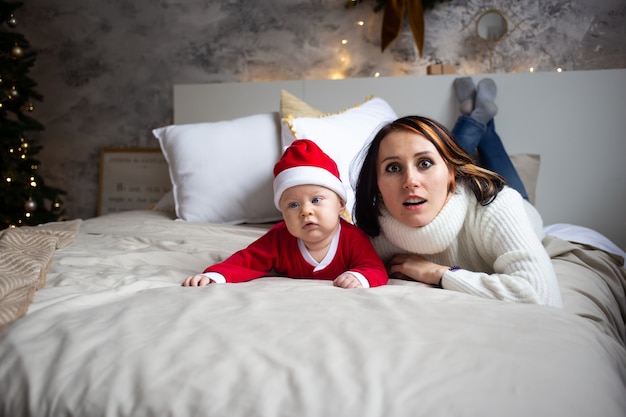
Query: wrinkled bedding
114, 334
25, 255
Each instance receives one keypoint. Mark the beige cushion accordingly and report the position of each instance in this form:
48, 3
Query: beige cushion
293, 106
527, 166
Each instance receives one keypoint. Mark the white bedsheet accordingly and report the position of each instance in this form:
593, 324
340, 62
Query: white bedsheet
114, 334
584, 235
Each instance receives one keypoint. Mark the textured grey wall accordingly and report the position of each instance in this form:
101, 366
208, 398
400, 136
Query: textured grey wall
106, 67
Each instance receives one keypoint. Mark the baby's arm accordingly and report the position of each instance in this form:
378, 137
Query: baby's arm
347, 280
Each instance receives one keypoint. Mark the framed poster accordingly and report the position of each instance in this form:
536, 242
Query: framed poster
131, 179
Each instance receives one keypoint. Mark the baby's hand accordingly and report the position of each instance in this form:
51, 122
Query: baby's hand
197, 281
347, 280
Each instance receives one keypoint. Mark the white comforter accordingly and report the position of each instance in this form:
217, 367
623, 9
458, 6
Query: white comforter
114, 334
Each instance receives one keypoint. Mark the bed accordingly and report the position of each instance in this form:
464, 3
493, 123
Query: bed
95, 322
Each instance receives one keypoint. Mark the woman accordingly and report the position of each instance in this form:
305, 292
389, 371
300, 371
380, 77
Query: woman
436, 217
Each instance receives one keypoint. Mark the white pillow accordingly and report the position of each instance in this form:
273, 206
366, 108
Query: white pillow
341, 135
222, 172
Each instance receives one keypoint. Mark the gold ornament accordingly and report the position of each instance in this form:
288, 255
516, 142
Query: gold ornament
17, 52
30, 205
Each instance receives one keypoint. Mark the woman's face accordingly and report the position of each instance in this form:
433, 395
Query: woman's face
412, 178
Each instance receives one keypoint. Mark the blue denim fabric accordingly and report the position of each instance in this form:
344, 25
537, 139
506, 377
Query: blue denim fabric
472, 135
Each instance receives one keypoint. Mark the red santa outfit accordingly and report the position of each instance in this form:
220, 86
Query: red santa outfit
279, 252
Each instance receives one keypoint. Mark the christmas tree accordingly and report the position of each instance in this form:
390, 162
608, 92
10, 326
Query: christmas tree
24, 197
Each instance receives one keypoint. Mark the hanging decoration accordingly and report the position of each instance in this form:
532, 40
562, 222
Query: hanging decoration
394, 11
393, 18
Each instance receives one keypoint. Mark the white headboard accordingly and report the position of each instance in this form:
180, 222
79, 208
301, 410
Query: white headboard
575, 120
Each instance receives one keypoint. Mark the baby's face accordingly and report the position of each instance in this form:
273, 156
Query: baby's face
311, 213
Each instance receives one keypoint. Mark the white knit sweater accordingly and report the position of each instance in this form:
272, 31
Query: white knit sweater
496, 246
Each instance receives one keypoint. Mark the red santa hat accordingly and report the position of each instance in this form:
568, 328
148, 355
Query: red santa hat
304, 163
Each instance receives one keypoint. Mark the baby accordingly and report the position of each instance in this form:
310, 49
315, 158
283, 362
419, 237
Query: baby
312, 241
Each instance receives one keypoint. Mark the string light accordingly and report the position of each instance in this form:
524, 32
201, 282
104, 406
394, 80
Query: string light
344, 56
360, 23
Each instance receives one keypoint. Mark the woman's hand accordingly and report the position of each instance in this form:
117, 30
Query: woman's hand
416, 268
347, 280
197, 281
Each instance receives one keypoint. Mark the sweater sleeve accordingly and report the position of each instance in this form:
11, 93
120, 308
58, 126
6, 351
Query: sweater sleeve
501, 235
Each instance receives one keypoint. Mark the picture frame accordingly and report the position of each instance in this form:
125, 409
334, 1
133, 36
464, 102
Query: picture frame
131, 179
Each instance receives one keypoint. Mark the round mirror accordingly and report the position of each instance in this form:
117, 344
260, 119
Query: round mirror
491, 26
